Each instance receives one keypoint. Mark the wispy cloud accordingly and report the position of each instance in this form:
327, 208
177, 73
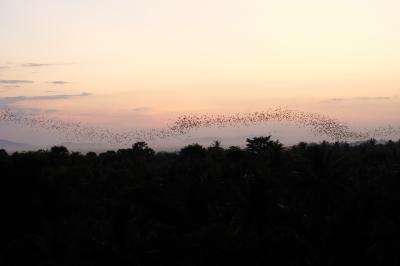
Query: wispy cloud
33, 64
3, 67
36, 65
15, 81
378, 98
4, 89
41, 111
142, 109
59, 82
10, 86
15, 99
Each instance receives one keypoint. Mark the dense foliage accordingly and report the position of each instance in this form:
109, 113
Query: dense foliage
310, 204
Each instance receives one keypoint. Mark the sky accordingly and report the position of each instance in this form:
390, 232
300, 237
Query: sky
139, 64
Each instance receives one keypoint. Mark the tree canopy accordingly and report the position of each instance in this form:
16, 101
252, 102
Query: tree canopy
308, 204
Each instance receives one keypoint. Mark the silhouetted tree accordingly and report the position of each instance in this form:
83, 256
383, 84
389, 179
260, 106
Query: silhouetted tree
3, 153
194, 151
265, 204
260, 145
142, 148
60, 150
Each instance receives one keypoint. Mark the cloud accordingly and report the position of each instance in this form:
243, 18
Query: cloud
41, 111
15, 81
36, 65
3, 67
142, 109
10, 86
379, 98
16, 99
59, 82
42, 64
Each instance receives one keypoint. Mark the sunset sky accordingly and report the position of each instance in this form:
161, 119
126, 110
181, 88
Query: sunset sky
129, 64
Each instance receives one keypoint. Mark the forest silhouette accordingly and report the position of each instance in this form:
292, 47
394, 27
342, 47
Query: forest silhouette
264, 204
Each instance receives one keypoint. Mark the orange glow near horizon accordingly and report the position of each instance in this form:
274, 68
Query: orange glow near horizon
144, 62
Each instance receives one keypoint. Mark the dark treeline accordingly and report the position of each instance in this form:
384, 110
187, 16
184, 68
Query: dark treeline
309, 204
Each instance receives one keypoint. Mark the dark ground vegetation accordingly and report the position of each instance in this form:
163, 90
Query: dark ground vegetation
310, 204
